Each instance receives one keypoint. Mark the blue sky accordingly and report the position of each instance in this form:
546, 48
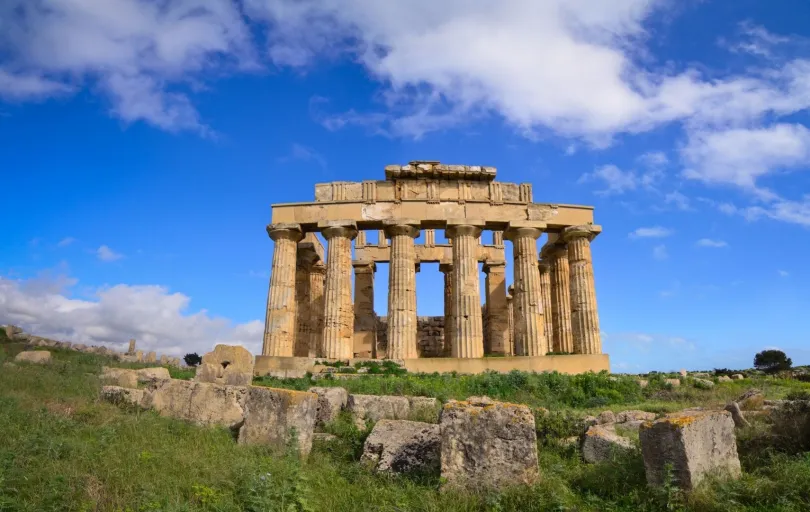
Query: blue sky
141, 146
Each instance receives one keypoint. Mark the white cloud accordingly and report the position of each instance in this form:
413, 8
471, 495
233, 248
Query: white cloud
783, 273
66, 241
680, 201
156, 318
104, 253
304, 154
660, 252
616, 180
708, 242
651, 232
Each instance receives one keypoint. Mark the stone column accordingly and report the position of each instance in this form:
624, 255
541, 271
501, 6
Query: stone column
317, 276
468, 329
338, 314
279, 324
545, 290
510, 311
130, 350
365, 322
557, 256
530, 337
584, 315
449, 322
302, 321
402, 335
498, 321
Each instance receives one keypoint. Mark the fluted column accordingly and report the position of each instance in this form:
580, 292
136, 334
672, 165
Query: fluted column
338, 315
468, 329
497, 321
447, 270
530, 337
402, 335
365, 322
584, 314
510, 311
279, 323
317, 276
557, 256
302, 320
545, 290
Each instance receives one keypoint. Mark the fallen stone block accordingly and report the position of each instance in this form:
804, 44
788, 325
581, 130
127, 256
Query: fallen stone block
424, 407
724, 378
147, 375
120, 377
487, 444
738, 376
601, 443
330, 402
227, 364
704, 384
737, 415
606, 417
401, 446
199, 402
752, 399
118, 395
277, 416
375, 408
694, 443
634, 415
33, 357
673, 382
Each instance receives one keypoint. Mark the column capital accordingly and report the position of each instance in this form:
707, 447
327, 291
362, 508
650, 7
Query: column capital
551, 250
472, 227
286, 231
318, 268
445, 267
517, 229
331, 228
588, 231
364, 267
395, 227
544, 266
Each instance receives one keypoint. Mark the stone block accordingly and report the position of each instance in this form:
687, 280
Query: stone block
330, 402
375, 408
424, 407
601, 443
673, 382
738, 376
487, 444
751, 400
277, 416
34, 357
199, 402
400, 446
118, 395
227, 364
724, 378
120, 377
606, 417
634, 415
147, 375
694, 443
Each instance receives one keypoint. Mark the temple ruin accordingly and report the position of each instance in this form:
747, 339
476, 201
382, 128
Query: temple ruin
546, 320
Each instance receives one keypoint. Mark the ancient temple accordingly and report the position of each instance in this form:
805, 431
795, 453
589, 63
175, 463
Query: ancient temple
546, 320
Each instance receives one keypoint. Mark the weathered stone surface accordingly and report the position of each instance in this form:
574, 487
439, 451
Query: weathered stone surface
231, 365
279, 324
584, 315
606, 417
634, 415
399, 446
120, 377
694, 443
704, 383
277, 416
147, 375
118, 395
34, 357
738, 376
424, 407
468, 332
724, 378
330, 402
338, 317
601, 442
751, 400
737, 415
375, 408
487, 444
673, 382
200, 402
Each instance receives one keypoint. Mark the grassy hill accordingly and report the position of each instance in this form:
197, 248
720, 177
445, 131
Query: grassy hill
63, 450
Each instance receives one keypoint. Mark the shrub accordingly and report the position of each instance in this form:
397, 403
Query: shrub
772, 361
192, 359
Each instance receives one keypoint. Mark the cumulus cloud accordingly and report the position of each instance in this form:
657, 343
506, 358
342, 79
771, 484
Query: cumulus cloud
158, 319
651, 232
104, 253
708, 242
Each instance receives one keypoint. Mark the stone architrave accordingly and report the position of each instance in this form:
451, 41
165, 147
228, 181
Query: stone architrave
487, 444
468, 329
545, 290
557, 256
317, 278
131, 349
530, 339
694, 444
365, 321
276, 416
498, 321
227, 364
584, 315
338, 321
449, 323
279, 325
402, 339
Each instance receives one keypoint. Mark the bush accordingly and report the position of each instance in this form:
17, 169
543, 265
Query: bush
192, 359
772, 361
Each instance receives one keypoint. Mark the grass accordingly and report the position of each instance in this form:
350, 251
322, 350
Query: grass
63, 450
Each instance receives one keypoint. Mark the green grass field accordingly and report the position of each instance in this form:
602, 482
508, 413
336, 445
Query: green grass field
63, 450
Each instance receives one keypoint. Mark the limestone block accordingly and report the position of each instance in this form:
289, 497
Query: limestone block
118, 395
704, 383
634, 415
200, 402
375, 408
694, 443
751, 399
120, 377
737, 415
399, 446
601, 443
487, 444
275, 416
330, 402
80, 347
673, 382
424, 407
606, 417
152, 374
231, 356
738, 376
12, 331
724, 378
34, 356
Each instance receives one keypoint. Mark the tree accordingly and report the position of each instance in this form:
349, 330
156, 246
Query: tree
192, 359
772, 361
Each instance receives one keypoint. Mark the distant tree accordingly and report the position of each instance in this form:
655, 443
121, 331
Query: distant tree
192, 359
772, 361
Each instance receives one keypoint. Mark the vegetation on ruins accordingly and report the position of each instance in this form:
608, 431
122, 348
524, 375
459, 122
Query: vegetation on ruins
193, 359
63, 449
772, 361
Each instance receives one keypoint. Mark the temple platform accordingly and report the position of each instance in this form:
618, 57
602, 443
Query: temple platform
569, 364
